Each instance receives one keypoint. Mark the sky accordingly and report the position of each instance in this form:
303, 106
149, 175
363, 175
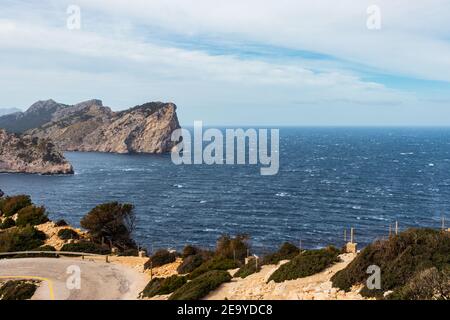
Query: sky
235, 62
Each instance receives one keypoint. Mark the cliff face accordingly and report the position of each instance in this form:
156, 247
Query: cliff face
89, 126
31, 155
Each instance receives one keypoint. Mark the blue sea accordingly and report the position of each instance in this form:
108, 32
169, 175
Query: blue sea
330, 179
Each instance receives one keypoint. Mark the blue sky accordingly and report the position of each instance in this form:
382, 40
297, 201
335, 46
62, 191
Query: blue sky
272, 62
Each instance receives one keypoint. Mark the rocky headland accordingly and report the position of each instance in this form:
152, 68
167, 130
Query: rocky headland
87, 127
90, 126
31, 155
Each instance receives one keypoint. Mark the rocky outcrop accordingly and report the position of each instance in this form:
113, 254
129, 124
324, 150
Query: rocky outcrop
90, 126
31, 155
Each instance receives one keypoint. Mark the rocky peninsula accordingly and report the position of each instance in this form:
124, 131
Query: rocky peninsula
33, 141
31, 155
90, 126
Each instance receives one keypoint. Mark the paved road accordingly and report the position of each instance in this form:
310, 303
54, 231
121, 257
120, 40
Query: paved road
99, 280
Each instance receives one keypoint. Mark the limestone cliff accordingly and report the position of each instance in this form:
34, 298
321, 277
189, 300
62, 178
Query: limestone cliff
31, 155
89, 126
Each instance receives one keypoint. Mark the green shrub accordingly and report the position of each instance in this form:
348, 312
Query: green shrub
111, 222
39, 255
162, 286
235, 248
160, 258
45, 248
32, 216
9, 206
306, 264
21, 239
190, 263
67, 234
216, 263
129, 253
286, 252
61, 223
86, 247
250, 268
429, 284
17, 290
201, 286
7, 223
190, 251
400, 258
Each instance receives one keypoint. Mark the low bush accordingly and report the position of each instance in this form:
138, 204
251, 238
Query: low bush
160, 258
236, 248
7, 223
129, 253
86, 247
162, 286
286, 252
9, 206
61, 223
216, 263
306, 264
17, 290
21, 239
190, 251
250, 268
190, 263
46, 248
32, 216
429, 284
400, 258
67, 234
201, 286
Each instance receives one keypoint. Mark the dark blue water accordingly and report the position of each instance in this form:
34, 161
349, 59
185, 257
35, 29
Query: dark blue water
329, 180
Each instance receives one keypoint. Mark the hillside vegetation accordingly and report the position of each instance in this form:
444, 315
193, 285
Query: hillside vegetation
414, 265
306, 264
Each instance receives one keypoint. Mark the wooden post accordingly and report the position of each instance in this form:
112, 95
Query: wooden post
234, 255
443, 223
351, 235
396, 227
300, 247
345, 235
107, 260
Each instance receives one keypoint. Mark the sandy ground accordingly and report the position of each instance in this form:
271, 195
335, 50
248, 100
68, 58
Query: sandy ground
99, 280
51, 230
316, 287
255, 286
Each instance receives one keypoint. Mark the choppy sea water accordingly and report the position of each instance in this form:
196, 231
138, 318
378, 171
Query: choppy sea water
330, 179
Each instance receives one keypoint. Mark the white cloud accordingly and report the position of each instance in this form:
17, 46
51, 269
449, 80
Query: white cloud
181, 65
413, 40
114, 58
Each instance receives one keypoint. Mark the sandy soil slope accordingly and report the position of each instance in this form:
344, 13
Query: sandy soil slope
316, 287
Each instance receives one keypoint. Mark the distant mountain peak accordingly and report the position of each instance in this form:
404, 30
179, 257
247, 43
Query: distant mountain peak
6, 111
44, 105
88, 103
